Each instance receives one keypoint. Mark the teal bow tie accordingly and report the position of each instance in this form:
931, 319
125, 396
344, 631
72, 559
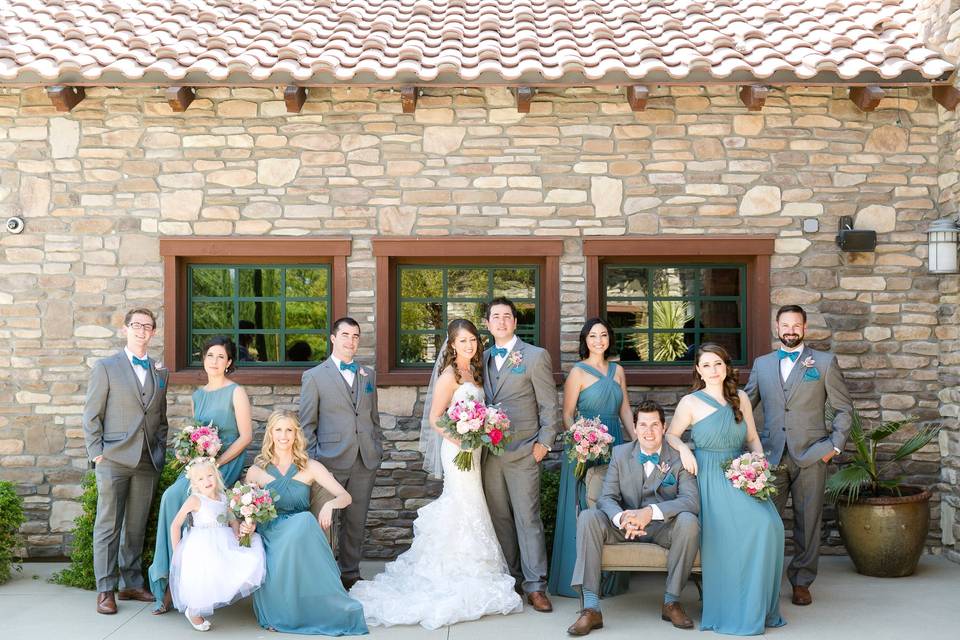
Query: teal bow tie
499, 351
793, 355
141, 362
348, 366
644, 458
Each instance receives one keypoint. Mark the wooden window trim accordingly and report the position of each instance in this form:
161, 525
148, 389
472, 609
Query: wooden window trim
177, 253
754, 251
389, 252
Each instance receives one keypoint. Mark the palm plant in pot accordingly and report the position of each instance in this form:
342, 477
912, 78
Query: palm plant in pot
883, 522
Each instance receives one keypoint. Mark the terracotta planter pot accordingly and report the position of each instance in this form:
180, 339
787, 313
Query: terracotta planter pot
885, 536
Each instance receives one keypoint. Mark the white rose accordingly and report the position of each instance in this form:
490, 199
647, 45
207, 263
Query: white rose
247, 498
463, 427
246, 511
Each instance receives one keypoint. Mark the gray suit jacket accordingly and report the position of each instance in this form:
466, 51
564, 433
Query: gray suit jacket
527, 394
624, 486
116, 420
793, 411
339, 422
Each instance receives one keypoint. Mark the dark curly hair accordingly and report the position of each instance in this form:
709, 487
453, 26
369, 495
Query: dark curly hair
227, 344
729, 383
450, 355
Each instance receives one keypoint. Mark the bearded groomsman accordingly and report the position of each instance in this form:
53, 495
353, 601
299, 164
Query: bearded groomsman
794, 385
341, 421
125, 432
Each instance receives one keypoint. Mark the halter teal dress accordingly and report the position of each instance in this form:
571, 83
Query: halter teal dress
741, 538
208, 406
601, 399
302, 592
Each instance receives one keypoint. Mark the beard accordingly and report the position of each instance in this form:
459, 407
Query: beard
791, 340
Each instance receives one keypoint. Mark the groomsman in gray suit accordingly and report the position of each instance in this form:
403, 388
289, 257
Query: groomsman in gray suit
519, 377
794, 385
340, 419
125, 432
647, 497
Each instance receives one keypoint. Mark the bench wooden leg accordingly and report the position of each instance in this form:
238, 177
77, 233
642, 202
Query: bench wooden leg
698, 581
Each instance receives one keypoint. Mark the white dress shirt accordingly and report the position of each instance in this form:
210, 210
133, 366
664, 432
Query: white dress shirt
647, 470
346, 373
137, 369
786, 364
499, 360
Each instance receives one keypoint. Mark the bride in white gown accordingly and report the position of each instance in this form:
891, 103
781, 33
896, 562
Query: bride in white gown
454, 570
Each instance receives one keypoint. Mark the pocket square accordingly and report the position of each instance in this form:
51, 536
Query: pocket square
520, 368
811, 374
670, 480
368, 388
161, 383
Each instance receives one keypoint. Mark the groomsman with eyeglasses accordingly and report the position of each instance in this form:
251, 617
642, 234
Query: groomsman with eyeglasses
125, 432
794, 385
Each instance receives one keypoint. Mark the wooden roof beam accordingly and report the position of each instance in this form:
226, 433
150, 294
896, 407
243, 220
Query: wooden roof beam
179, 98
866, 98
754, 96
637, 95
65, 98
408, 99
524, 98
294, 97
947, 96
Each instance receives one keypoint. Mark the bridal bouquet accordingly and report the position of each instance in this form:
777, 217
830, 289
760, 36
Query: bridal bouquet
751, 474
196, 441
475, 425
251, 503
588, 440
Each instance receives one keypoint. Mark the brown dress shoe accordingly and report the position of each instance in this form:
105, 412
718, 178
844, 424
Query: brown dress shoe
589, 620
801, 596
540, 601
137, 593
674, 613
106, 604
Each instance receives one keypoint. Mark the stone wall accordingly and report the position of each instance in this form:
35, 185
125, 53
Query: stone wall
99, 186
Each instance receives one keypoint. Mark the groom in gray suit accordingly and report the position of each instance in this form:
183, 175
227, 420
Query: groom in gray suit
519, 377
341, 422
647, 497
125, 432
794, 385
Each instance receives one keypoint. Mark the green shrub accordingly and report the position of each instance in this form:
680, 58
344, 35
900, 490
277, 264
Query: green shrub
11, 518
80, 572
549, 495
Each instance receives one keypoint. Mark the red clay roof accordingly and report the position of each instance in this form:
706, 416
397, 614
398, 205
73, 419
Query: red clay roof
461, 42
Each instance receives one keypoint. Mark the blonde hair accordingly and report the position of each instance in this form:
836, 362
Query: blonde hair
202, 463
266, 456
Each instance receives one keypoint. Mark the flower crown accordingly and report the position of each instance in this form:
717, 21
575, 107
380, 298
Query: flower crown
200, 460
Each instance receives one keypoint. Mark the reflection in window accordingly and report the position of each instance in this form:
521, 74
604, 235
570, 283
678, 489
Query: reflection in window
276, 314
661, 314
431, 296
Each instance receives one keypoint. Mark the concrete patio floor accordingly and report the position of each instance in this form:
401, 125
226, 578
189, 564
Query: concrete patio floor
848, 606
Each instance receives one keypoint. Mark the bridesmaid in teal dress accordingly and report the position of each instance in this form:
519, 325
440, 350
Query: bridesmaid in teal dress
302, 592
741, 539
226, 405
596, 387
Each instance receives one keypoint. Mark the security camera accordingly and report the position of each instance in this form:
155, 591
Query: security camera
15, 225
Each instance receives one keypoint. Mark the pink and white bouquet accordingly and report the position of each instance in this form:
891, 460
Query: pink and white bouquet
751, 474
251, 503
475, 425
196, 441
587, 440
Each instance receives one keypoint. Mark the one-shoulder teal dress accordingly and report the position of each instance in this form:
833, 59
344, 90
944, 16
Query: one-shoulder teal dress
208, 406
741, 538
601, 399
302, 592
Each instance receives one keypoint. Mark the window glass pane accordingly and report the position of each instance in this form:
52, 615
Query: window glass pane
630, 347
729, 341
247, 349
472, 311
196, 347
306, 347
213, 315
212, 282
259, 283
717, 314
721, 282
306, 315
419, 348
266, 347
672, 347
421, 283
421, 315
515, 284
626, 282
674, 282
628, 314
307, 283
467, 283
263, 315
526, 315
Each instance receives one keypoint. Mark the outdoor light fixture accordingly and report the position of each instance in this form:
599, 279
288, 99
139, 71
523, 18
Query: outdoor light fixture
855, 240
942, 242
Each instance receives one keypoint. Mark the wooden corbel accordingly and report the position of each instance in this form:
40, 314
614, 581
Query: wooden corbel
179, 98
637, 95
408, 99
866, 98
294, 97
524, 98
65, 98
754, 96
947, 96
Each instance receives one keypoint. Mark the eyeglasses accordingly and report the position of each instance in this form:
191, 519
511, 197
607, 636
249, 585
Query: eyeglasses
136, 326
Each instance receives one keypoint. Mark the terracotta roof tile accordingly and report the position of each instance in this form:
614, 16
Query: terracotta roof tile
457, 41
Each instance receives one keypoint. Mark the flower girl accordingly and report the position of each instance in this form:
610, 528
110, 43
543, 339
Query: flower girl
210, 569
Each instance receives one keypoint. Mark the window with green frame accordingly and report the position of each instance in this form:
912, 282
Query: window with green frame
277, 315
661, 313
430, 296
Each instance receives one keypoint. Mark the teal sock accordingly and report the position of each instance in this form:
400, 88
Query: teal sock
590, 600
669, 598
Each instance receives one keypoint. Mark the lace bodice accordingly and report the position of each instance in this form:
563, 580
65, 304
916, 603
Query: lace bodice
467, 390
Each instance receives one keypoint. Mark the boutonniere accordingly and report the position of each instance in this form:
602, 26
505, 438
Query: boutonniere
362, 372
809, 362
664, 468
515, 358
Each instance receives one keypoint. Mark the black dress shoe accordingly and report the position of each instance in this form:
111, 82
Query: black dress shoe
349, 581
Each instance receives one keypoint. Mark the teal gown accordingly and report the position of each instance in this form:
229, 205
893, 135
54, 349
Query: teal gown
603, 398
741, 538
208, 406
302, 592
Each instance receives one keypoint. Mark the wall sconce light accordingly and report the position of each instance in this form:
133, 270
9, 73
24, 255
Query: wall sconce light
855, 240
942, 238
